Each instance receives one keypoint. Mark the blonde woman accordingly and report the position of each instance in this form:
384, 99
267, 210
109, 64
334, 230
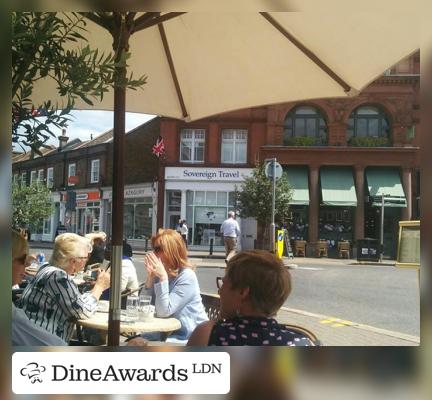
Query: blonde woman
52, 300
174, 283
24, 331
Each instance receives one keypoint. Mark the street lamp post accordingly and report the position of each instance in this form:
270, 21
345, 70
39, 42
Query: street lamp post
272, 225
383, 196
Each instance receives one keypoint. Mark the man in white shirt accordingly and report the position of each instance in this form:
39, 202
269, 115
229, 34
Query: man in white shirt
230, 230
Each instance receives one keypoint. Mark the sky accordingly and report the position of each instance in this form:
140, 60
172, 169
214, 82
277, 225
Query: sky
86, 122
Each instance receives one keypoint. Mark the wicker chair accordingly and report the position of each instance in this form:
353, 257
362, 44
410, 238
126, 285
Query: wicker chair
300, 248
344, 249
211, 304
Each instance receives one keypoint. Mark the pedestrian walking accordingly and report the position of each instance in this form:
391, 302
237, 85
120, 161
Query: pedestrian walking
184, 230
230, 231
178, 226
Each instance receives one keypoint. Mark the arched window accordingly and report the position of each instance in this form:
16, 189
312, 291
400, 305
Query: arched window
305, 126
370, 123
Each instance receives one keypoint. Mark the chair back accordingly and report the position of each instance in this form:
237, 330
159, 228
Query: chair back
305, 332
344, 245
211, 304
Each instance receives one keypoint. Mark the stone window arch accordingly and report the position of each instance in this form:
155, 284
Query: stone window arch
305, 126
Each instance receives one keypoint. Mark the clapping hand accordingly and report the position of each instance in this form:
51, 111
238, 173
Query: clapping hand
154, 267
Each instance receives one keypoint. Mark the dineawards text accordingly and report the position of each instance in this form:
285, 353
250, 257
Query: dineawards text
113, 374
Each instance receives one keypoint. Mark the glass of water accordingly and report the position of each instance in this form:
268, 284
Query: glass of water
132, 305
144, 304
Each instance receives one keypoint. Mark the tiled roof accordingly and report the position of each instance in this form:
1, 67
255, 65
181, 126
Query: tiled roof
18, 157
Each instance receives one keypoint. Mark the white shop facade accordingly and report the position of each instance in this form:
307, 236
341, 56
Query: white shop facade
203, 196
139, 212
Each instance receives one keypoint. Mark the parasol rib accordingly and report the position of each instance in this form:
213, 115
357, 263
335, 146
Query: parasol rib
155, 21
312, 56
144, 19
172, 69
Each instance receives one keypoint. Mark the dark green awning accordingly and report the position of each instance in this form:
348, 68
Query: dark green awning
385, 181
337, 187
298, 180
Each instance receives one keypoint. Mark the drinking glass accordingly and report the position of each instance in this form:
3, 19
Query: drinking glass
132, 304
144, 307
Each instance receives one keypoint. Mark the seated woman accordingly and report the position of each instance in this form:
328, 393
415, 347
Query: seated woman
52, 299
25, 332
175, 286
255, 286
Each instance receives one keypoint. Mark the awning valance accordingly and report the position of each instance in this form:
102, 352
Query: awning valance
337, 187
387, 182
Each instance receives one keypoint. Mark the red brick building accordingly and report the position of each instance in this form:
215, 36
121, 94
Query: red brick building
342, 155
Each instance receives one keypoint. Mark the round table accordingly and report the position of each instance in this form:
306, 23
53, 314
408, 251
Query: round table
100, 321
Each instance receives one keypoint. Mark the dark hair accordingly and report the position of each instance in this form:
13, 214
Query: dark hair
268, 280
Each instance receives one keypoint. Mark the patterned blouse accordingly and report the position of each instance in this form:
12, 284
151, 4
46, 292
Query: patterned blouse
255, 331
52, 301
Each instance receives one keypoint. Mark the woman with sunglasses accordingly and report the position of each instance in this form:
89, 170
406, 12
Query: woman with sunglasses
255, 286
52, 300
174, 283
24, 331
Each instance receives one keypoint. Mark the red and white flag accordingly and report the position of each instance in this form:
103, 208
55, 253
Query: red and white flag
159, 147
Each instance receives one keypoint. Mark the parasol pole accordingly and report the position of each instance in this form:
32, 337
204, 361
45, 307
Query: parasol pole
121, 44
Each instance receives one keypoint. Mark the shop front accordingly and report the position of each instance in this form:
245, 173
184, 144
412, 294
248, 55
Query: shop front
203, 197
88, 212
139, 216
338, 201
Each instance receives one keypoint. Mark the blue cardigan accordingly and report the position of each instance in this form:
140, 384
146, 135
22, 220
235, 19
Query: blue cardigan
180, 298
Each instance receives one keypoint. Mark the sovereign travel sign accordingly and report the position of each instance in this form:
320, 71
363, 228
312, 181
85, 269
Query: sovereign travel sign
207, 174
126, 373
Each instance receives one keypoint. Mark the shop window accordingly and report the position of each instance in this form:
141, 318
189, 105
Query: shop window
199, 198
192, 142
305, 126
234, 146
298, 223
336, 224
174, 200
95, 170
368, 127
221, 198
211, 198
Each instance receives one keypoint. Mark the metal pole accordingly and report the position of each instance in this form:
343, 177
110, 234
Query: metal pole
272, 225
382, 230
121, 44
211, 247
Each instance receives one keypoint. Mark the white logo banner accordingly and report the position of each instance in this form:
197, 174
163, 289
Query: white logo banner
120, 373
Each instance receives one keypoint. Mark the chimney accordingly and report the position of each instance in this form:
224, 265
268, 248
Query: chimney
63, 139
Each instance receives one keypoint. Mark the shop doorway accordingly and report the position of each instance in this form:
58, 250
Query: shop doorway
88, 220
172, 219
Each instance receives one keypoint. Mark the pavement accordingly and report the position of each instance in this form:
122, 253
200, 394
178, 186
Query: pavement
331, 331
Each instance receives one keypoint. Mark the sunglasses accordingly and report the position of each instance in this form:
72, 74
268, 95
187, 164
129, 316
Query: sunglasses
157, 249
